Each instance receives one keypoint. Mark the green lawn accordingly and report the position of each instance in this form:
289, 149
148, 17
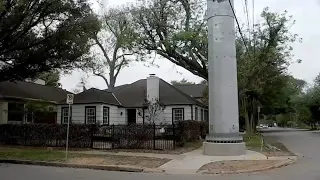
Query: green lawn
31, 154
253, 142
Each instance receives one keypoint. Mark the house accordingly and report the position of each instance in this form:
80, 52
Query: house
16, 96
194, 90
126, 104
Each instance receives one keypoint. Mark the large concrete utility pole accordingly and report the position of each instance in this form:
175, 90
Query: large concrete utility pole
224, 138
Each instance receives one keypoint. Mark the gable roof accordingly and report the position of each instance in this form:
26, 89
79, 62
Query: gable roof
93, 95
133, 95
29, 90
117, 87
193, 90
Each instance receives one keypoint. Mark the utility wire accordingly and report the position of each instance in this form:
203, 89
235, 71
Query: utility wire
248, 20
253, 31
238, 25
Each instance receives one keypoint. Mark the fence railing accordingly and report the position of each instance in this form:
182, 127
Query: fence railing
135, 137
91, 136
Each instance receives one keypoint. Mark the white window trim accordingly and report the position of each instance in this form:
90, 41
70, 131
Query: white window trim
174, 114
90, 116
107, 116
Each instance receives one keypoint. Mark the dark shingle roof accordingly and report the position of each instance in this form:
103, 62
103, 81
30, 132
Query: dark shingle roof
94, 96
133, 95
193, 90
117, 87
28, 90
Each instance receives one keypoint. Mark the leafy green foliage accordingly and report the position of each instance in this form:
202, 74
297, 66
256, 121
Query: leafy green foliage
175, 30
39, 36
191, 131
45, 135
182, 82
51, 78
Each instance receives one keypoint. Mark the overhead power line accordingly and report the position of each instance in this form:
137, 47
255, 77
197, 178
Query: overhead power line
238, 25
248, 19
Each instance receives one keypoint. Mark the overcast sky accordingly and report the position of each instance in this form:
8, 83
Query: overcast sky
306, 13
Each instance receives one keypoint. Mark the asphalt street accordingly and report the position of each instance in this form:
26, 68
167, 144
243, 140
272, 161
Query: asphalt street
305, 144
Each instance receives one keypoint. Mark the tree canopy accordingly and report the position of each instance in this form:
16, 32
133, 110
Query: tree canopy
182, 82
51, 78
114, 46
41, 35
177, 30
174, 29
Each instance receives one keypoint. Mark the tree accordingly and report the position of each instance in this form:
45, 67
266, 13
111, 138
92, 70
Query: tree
39, 36
114, 46
81, 86
154, 110
182, 82
51, 78
174, 29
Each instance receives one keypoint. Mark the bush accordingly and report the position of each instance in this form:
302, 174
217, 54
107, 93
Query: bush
45, 135
132, 136
191, 131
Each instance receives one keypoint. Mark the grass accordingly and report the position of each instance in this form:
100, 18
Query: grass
34, 154
253, 142
31, 154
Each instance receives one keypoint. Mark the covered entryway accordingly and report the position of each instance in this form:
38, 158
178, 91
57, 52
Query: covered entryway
132, 116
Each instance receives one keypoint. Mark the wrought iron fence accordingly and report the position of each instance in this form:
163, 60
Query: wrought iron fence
90, 136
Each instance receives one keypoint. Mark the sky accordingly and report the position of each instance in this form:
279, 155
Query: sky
306, 13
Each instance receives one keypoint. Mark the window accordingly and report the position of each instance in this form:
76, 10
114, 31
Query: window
65, 115
196, 114
90, 114
206, 115
15, 112
177, 114
106, 115
202, 115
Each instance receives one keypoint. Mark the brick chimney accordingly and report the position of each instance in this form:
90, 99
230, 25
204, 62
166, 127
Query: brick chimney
153, 88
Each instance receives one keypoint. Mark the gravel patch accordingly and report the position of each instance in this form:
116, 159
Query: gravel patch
238, 166
145, 162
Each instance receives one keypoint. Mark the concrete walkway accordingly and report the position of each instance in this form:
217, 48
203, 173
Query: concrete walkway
187, 163
195, 159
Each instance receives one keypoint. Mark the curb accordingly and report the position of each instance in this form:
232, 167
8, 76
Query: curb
151, 170
281, 164
95, 167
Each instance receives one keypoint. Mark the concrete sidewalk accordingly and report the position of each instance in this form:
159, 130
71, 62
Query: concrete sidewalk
195, 159
187, 163
190, 162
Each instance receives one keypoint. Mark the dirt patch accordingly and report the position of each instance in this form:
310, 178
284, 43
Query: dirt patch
145, 162
275, 148
238, 166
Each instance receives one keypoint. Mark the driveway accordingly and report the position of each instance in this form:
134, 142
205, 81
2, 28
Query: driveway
305, 144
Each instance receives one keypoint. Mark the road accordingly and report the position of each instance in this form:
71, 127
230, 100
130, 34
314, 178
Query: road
305, 144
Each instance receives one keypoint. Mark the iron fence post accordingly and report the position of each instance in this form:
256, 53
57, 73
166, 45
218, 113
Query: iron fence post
154, 136
92, 134
174, 136
112, 136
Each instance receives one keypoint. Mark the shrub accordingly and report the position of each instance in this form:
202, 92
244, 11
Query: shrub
190, 131
133, 136
45, 135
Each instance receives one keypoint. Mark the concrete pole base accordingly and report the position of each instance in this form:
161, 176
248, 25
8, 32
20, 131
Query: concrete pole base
224, 149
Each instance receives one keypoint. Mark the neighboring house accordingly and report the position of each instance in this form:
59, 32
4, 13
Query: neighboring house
194, 90
126, 104
14, 96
